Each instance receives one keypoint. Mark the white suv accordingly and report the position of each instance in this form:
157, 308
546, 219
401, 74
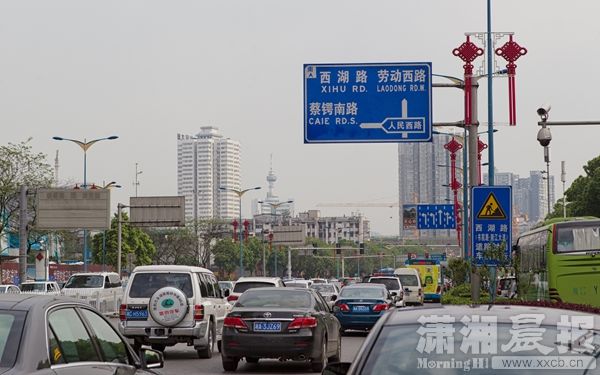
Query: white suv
166, 305
245, 283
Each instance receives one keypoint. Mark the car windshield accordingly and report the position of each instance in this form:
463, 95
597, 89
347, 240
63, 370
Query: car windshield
349, 292
33, 287
242, 286
390, 284
144, 285
408, 280
323, 288
275, 298
225, 284
512, 353
85, 281
11, 327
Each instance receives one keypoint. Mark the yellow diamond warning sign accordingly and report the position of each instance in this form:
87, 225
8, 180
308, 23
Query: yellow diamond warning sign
491, 209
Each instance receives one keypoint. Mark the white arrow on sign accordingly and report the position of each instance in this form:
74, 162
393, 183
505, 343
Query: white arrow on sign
378, 125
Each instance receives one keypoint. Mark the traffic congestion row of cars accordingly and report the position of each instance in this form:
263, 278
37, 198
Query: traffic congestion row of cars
265, 318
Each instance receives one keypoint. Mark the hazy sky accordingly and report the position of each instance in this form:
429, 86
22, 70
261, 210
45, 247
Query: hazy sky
147, 70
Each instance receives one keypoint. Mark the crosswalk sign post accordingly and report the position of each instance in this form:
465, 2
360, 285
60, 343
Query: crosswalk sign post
491, 222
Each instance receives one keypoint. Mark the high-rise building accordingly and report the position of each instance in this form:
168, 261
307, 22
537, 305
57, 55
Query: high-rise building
205, 162
424, 177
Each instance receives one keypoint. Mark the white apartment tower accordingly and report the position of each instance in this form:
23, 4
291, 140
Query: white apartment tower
205, 162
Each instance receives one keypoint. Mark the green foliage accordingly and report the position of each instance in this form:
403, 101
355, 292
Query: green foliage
174, 245
458, 270
19, 166
226, 256
583, 196
133, 241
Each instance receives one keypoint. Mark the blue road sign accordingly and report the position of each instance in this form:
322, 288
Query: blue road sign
354, 103
491, 221
441, 257
436, 216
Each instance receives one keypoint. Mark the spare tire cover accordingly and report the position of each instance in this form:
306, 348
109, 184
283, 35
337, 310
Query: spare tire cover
168, 306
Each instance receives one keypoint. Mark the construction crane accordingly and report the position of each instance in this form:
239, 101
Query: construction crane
358, 204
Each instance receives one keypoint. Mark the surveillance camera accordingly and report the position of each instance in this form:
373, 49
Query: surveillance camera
544, 136
543, 111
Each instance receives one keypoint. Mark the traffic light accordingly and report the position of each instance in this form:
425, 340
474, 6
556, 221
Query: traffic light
361, 247
338, 249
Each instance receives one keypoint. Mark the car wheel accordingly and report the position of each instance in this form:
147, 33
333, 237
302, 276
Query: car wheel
252, 359
229, 363
342, 331
159, 347
208, 350
318, 364
338, 352
219, 345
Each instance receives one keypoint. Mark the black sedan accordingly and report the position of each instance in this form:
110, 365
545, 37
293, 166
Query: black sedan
42, 334
284, 323
501, 339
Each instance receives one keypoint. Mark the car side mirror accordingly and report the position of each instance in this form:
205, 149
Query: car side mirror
394, 294
339, 368
226, 292
333, 297
152, 359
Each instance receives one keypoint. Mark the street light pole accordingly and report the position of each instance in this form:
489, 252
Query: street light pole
85, 146
240, 193
274, 207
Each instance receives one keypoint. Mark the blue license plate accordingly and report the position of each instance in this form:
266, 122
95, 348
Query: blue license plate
360, 309
267, 326
136, 314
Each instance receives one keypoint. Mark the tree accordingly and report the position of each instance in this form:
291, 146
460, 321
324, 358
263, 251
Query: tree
174, 245
226, 256
583, 195
209, 231
133, 241
19, 166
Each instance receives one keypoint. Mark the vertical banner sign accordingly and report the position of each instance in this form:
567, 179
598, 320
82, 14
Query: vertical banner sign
491, 214
409, 216
365, 103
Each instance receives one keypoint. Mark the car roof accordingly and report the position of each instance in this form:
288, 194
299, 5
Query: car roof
168, 267
365, 285
383, 277
276, 289
25, 302
38, 282
94, 273
503, 312
269, 279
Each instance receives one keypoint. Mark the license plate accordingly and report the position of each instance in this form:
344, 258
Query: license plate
267, 326
136, 314
360, 309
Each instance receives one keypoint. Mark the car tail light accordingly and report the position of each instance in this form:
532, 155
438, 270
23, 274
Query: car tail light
341, 307
122, 312
306, 322
380, 307
234, 322
420, 291
232, 298
198, 312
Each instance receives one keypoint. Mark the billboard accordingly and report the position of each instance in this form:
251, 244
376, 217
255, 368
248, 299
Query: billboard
71, 209
289, 235
166, 211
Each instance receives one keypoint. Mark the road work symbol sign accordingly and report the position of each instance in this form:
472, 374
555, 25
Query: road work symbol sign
491, 225
491, 209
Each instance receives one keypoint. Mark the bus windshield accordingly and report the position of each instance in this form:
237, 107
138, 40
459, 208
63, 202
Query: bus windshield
578, 238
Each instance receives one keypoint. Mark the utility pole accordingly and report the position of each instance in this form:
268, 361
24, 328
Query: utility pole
119, 236
23, 234
563, 179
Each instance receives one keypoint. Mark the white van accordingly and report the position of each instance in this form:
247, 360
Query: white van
165, 305
101, 290
411, 282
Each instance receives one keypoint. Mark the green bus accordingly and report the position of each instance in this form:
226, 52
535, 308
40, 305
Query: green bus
560, 262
